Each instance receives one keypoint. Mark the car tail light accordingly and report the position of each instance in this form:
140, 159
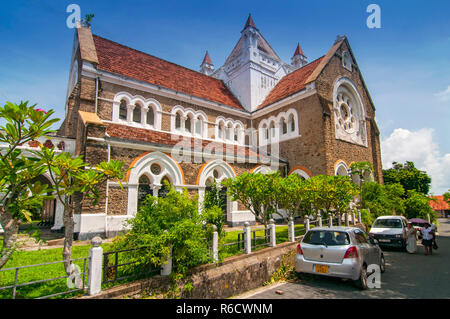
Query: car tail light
352, 252
299, 249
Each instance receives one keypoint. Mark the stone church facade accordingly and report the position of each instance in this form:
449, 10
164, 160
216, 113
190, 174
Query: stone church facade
255, 113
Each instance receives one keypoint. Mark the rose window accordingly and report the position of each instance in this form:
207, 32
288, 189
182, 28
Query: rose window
345, 113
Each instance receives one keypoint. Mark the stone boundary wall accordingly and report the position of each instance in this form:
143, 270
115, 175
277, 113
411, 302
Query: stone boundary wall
236, 275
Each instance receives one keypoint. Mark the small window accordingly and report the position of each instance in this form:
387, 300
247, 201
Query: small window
188, 124
285, 128
123, 110
198, 127
137, 114
150, 116
178, 121
291, 123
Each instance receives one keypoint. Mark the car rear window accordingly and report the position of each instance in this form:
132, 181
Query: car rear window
326, 237
387, 223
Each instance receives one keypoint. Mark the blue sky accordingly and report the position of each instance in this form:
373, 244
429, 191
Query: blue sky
405, 64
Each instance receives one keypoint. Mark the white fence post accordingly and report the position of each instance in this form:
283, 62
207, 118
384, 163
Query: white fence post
330, 220
166, 268
291, 230
215, 244
359, 216
339, 219
307, 223
346, 220
247, 239
353, 218
320, 221
95, 267
272, 233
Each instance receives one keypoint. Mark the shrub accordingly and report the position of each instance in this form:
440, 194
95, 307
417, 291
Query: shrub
167, 222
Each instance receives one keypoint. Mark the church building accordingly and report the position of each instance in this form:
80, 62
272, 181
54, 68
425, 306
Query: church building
254, 113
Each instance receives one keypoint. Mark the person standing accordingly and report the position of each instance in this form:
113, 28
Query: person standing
434, 231
411, 238
427, 240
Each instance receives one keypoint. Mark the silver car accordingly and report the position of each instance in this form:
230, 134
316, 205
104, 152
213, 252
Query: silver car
343, 252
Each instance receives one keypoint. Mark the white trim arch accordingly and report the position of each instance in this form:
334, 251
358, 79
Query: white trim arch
220, 170
262, 169
169, 169
278, 128
341, 169
229, 130
137, 101
301, 173
198, 122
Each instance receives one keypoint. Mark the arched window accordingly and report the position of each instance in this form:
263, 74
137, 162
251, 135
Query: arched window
137, 114
178, 121
188, 124
150, 116
229, 131
123, 110
291, 122
221, 130
144, 189
198, 126
284, 129
162, 192
272, 130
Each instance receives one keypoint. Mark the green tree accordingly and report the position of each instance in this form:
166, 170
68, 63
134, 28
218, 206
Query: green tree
75, 180
447, 196
417, 205
20, 192
408, 176
256, 193
383, 199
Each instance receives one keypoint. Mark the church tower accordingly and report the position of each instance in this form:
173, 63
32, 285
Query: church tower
298, 59
253, 68
207, 67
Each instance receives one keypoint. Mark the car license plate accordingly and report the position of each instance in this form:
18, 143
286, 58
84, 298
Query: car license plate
384, 240
322, 269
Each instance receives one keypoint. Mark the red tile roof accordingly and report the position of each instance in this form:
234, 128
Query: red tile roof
439, 204
119, 59
291, 83
163, 138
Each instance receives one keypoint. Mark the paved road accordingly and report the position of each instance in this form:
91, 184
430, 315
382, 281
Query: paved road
406, 276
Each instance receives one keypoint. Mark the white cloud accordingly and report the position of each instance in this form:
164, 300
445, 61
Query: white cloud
444, 96
418, 146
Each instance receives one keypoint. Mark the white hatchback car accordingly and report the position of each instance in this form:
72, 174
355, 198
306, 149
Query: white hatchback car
390, 231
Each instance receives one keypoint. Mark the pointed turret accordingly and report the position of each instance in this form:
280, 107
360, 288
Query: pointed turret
250, 23
299, 58
207, 67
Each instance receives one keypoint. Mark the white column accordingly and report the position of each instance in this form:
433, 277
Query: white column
330, 220
307, 223
273, 234
166, 268
353, 218
359, 216
95, 267
215, 244
291, 230
346, 220
201, 198
320, 220
247, 239
132, 200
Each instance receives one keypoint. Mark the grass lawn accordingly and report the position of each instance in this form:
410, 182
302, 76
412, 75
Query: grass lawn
22, 258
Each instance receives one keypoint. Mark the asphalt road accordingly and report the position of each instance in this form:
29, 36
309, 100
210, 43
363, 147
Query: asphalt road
406, 276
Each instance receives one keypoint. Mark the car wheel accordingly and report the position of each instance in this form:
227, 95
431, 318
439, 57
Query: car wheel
382, 264
361, 283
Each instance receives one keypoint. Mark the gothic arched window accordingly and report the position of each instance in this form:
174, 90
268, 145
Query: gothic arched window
150, 116
123, 110
137, 114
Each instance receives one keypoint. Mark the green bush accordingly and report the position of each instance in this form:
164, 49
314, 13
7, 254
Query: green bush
213, 216
162, 223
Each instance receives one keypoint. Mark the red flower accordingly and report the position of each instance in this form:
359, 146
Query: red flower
40, 110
